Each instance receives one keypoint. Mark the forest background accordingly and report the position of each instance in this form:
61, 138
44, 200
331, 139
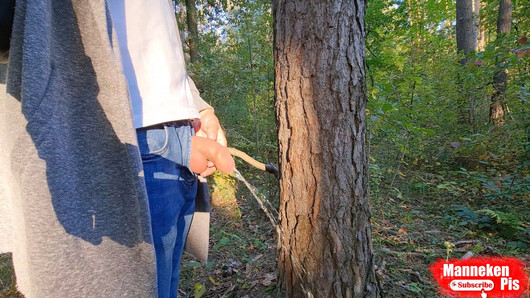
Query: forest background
447, 177
449, 146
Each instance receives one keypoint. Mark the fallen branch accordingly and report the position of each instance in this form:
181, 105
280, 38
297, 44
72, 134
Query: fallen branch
464, 242
387, 251
419, 252
392, 232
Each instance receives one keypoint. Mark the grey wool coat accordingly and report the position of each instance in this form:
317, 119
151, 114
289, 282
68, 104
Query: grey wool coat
73, 205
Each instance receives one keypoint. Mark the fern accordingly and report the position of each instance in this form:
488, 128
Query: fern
509, 219
492, 214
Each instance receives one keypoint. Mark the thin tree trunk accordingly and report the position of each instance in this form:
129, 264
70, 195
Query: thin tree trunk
479, 27
325, 245
500, 78
193, 40
504, 21
466, 42
481, 40
466, 33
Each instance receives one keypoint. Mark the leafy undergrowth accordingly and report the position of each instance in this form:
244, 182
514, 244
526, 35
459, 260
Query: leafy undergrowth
242, 259
414, 227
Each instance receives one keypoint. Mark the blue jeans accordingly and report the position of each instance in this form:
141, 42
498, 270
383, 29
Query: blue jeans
171, 189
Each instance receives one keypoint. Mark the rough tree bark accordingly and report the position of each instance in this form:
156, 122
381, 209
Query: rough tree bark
193, 31
466, 32
500, 78
325, 245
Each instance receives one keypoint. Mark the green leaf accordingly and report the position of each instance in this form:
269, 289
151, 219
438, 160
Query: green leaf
209, 265
387, 107
193, 264
221, 243
414, 287
199, 290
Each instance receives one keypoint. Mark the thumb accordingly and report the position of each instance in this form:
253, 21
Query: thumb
211, 131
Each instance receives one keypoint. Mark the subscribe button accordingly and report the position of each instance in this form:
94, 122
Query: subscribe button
471, 285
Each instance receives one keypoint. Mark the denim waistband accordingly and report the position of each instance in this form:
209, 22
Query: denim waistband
165, 124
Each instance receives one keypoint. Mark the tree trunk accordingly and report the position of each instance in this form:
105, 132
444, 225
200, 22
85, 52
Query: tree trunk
193, 32
479, 27
504, 21
325, 245
466, 33
500, 78
466, 42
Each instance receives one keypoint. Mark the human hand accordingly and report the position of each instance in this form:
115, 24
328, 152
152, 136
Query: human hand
208, 127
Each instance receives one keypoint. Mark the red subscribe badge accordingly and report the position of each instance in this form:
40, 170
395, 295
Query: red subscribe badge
481, 277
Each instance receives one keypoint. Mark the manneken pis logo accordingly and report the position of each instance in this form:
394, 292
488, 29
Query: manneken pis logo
481, 277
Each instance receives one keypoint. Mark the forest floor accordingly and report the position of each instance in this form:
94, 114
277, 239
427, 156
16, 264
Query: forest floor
409, 232
242, 259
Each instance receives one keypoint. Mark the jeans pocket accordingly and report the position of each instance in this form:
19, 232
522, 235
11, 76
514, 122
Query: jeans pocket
153, 143
188, 176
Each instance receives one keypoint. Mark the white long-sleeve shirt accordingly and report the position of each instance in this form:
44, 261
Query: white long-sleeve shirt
153, 61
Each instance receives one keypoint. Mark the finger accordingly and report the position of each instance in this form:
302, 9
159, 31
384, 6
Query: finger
221, 158
201, 134
212, 129
208, 171
221, 138
210, 123
204, 150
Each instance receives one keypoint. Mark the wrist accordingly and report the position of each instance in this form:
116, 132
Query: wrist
206, 111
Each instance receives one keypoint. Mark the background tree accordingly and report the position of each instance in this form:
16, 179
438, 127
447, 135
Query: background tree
500, 79
193, 31
466, 42
466, 30
478, 23
234, 73
326, 248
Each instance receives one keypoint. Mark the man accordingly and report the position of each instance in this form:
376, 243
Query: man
163, 111
72, 183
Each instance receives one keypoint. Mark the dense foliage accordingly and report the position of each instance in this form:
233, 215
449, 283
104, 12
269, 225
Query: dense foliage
429, 114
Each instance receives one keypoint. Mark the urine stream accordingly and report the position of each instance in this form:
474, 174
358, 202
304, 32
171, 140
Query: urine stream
261, 201
259, 198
